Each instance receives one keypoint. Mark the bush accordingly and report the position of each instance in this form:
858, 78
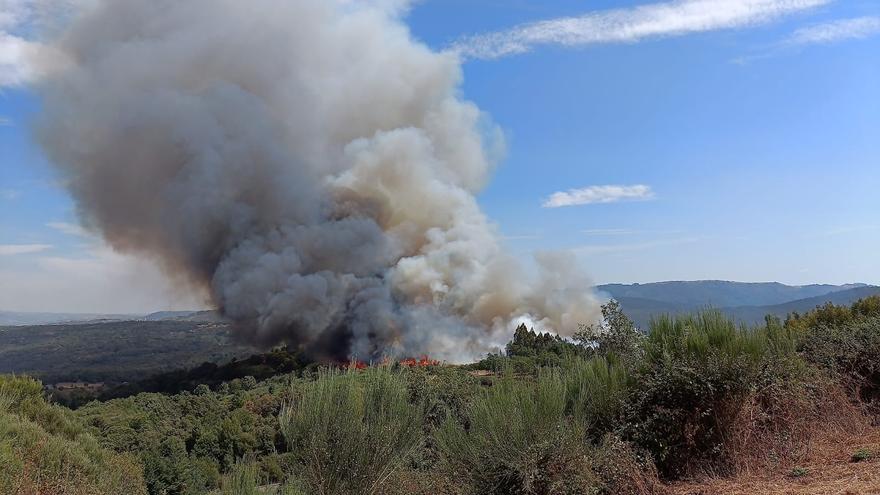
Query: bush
697, 373
519, 441
615, 335
596, 391
44, 450
349, 431
851, 350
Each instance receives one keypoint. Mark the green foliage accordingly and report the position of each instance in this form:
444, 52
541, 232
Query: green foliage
834, 316
850, 351
596, 391
186, 441
528, 343
207, 375
518, 441
598, 416
798, 472
349, 431
861, 455
243, 479
44, 450
615, 335
696, 373
530, 351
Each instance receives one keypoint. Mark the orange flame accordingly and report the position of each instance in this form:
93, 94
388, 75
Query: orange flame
420, 362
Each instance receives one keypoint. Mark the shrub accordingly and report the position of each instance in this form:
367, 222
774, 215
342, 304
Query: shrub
596, 391
519, 441
862, 454
243, 479
798, 472
44, 450
349, 431
849, 351
697, 373
615, 335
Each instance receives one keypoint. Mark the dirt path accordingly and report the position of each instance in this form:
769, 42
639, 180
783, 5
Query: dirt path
829, 470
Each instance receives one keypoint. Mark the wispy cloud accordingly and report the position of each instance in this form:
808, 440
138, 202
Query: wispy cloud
834, 31
9, 194
601, 249
14, 249
826, 33
604, 232
626, 232
629, 25
68, 228
599, 194
521, 237
852, 229
5, 121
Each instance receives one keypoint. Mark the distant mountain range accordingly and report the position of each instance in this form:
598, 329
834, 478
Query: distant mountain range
747, 302
19, 318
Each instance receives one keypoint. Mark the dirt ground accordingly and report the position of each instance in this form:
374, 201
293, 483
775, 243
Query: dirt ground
829, 469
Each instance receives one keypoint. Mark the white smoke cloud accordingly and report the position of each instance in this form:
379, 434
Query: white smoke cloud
306, 162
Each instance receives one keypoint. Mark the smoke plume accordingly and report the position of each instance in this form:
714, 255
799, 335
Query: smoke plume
307, 163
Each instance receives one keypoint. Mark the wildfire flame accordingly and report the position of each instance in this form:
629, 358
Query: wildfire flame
419, 362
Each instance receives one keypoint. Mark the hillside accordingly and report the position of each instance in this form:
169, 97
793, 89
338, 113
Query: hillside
113, 351
756, 314
721, 293
28, 318
676, 298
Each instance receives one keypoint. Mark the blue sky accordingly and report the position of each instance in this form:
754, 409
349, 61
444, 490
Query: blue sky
740, 148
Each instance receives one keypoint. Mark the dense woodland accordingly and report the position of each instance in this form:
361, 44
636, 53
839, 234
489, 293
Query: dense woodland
612, 410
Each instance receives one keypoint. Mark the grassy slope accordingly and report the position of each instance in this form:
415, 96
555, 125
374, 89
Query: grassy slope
44, 449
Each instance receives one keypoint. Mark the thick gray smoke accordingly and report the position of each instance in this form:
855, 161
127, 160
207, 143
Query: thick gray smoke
305, 161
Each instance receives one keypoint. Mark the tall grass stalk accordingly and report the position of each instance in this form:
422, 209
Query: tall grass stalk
350, 430
518, 440
595, 390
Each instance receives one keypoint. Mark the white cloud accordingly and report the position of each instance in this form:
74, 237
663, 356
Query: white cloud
14, 249
599, 194
628, 25
837, 30
5, 121
14, 68
23, 59
68, 228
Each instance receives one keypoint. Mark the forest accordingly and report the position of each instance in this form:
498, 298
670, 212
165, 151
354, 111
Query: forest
611, 411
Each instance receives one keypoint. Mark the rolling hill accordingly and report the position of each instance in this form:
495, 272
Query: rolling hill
747, 302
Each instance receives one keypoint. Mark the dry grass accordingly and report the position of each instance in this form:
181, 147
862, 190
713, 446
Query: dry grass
783, 429
826, 461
